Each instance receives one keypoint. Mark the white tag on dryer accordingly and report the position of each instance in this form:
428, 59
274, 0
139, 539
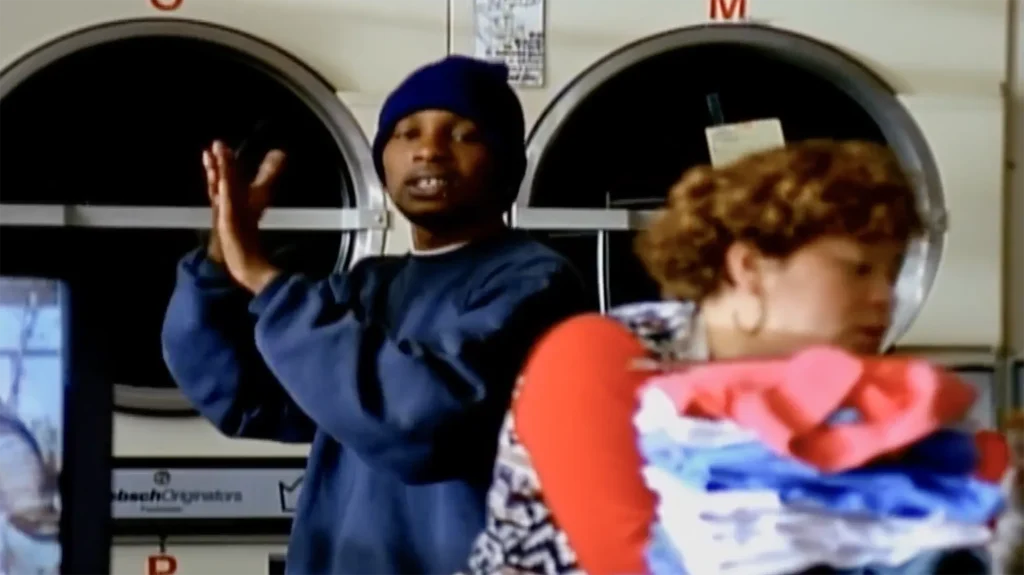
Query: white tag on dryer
730, 142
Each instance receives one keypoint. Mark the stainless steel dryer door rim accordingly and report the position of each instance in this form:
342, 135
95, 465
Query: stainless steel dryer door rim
862, 85
312, 89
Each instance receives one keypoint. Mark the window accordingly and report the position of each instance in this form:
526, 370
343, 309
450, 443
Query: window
31, 359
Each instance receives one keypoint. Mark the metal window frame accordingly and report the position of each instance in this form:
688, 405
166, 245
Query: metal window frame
365, 225
841, 70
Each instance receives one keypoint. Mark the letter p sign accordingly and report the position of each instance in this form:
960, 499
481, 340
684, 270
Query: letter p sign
161, 565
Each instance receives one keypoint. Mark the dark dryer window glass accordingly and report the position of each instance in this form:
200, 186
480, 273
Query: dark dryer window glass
124, 123
625, 279
132, 354
122, 281
581, 249
636, 134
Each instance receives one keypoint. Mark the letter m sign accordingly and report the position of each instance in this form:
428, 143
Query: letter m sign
727, 9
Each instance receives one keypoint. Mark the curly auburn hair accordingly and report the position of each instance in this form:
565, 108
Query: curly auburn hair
778, 201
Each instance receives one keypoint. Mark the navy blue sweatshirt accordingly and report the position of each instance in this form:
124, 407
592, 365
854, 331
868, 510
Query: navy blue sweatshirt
399, 371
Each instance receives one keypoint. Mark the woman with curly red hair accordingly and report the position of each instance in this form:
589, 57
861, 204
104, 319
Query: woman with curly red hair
778, 251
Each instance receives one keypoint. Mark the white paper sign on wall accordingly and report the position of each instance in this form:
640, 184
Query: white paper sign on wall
512, 31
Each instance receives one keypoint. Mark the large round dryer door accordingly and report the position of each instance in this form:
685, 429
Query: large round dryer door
102, 180
613, 142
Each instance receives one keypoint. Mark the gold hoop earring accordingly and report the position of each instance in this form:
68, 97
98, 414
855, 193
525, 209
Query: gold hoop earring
758, 323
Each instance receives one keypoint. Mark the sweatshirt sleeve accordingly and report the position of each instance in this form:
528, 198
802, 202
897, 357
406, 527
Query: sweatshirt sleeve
210, 350
426, 409
574, 415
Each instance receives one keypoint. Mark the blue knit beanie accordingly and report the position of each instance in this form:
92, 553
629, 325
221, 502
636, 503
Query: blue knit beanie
474, 89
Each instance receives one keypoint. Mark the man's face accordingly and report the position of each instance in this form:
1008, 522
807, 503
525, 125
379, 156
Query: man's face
436, 169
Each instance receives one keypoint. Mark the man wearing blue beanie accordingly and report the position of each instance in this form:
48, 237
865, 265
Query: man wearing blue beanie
399, 371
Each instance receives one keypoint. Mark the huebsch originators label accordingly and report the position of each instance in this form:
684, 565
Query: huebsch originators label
205, 493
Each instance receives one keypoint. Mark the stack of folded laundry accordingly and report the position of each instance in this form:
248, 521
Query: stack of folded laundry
822, 462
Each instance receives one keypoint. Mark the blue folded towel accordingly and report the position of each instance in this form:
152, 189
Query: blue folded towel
934, 476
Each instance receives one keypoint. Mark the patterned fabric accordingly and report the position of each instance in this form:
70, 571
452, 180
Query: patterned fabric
520, 535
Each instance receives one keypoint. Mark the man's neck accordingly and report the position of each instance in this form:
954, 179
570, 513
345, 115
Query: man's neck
424, 240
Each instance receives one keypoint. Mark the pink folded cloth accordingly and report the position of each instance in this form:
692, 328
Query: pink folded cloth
789, 402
